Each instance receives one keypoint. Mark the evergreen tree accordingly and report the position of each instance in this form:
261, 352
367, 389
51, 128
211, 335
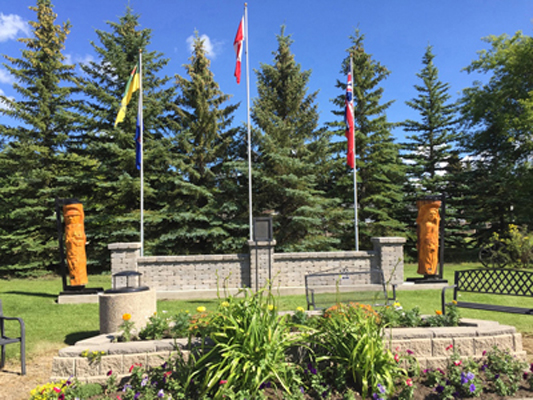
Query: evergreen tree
429, 150
497, 116
380, 172
112, 195
430, 146
289, 150
198, 216
35, 165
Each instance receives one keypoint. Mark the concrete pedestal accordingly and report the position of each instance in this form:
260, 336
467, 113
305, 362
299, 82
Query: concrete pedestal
141, 305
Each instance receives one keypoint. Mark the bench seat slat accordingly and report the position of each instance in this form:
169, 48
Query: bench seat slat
493, 307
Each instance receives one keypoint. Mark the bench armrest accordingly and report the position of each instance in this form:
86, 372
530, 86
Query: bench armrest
393, 298
21, 322
443, 297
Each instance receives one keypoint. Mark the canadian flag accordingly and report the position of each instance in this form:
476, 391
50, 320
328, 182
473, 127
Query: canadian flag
237, 45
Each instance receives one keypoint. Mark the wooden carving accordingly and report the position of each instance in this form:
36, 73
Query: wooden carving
75, 240
428, 236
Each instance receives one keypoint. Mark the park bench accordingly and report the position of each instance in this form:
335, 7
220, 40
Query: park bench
327, 288
5, 340
499, 281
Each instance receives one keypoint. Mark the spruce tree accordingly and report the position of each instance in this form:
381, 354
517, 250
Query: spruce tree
35, 166
380, 172
112, 195
197, 214
289, 146
430, 148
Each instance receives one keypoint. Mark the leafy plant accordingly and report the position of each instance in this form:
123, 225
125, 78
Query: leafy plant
156, 328
518, 246
126, 327
460, 380
250, 346
350, 337
503, 371
93, 356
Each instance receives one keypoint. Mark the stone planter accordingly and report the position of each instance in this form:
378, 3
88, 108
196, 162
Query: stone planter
428, 344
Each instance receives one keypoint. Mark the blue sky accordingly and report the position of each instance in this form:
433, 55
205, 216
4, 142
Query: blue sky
397, 33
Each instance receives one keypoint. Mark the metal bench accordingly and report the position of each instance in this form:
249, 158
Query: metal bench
499, 281
5, 340
326, 288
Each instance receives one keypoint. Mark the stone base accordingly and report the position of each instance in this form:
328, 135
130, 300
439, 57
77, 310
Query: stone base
141, 305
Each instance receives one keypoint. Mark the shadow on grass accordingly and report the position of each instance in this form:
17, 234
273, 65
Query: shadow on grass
37, 294
74, 337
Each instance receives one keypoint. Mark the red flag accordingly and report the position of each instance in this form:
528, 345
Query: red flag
348, 119
237, 45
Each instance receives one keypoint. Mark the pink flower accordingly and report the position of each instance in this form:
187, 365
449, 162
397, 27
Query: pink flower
457, 362
484, 352
57, 390
409, 382
131, 368
168, 373
449, 347
397, 357
223, 382
110, 372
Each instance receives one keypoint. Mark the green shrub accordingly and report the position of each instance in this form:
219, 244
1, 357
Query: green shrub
350, 337
250, 347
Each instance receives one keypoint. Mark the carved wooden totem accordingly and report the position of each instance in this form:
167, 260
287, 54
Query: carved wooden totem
75, 240
428, 236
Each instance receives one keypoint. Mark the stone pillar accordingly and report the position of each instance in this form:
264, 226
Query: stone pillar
389, 257
124, 258
261, 262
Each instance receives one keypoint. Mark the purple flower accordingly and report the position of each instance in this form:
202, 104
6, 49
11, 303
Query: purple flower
160, 393
439, 389
484, 367
381, 388
496, 376
164, 365
531, 367
472, 388
302, 389
311, 368
144, 382
463, 378
137, 395
410, 352
470, 376
525, 375
126, 387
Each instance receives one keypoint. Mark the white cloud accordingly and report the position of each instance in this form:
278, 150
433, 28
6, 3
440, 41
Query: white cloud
6, 77
4, 106
210, 47
77, 59
11, 25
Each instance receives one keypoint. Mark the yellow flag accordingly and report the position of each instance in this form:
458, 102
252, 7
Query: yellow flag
132, 86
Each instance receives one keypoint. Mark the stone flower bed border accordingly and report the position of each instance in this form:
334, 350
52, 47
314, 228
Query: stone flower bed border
428, 344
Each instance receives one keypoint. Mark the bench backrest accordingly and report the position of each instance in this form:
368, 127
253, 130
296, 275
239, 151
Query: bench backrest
514, 282
324, 289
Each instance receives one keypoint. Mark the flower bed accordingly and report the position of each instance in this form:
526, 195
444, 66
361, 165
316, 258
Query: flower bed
255, 353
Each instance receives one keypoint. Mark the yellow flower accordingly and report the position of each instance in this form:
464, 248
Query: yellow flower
224, 304
270, 307
454, 302
201, 309
301, 309
438, 312
126, 317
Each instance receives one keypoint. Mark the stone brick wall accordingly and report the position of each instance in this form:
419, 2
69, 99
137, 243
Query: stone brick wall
201, 273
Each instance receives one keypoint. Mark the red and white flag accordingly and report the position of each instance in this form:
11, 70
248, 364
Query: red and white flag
237, 45
349, 120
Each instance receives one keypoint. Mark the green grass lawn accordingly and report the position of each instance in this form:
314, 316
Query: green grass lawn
52, 325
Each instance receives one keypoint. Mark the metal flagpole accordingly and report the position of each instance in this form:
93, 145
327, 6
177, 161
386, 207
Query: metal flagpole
356, 220
141, 129
248, 118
